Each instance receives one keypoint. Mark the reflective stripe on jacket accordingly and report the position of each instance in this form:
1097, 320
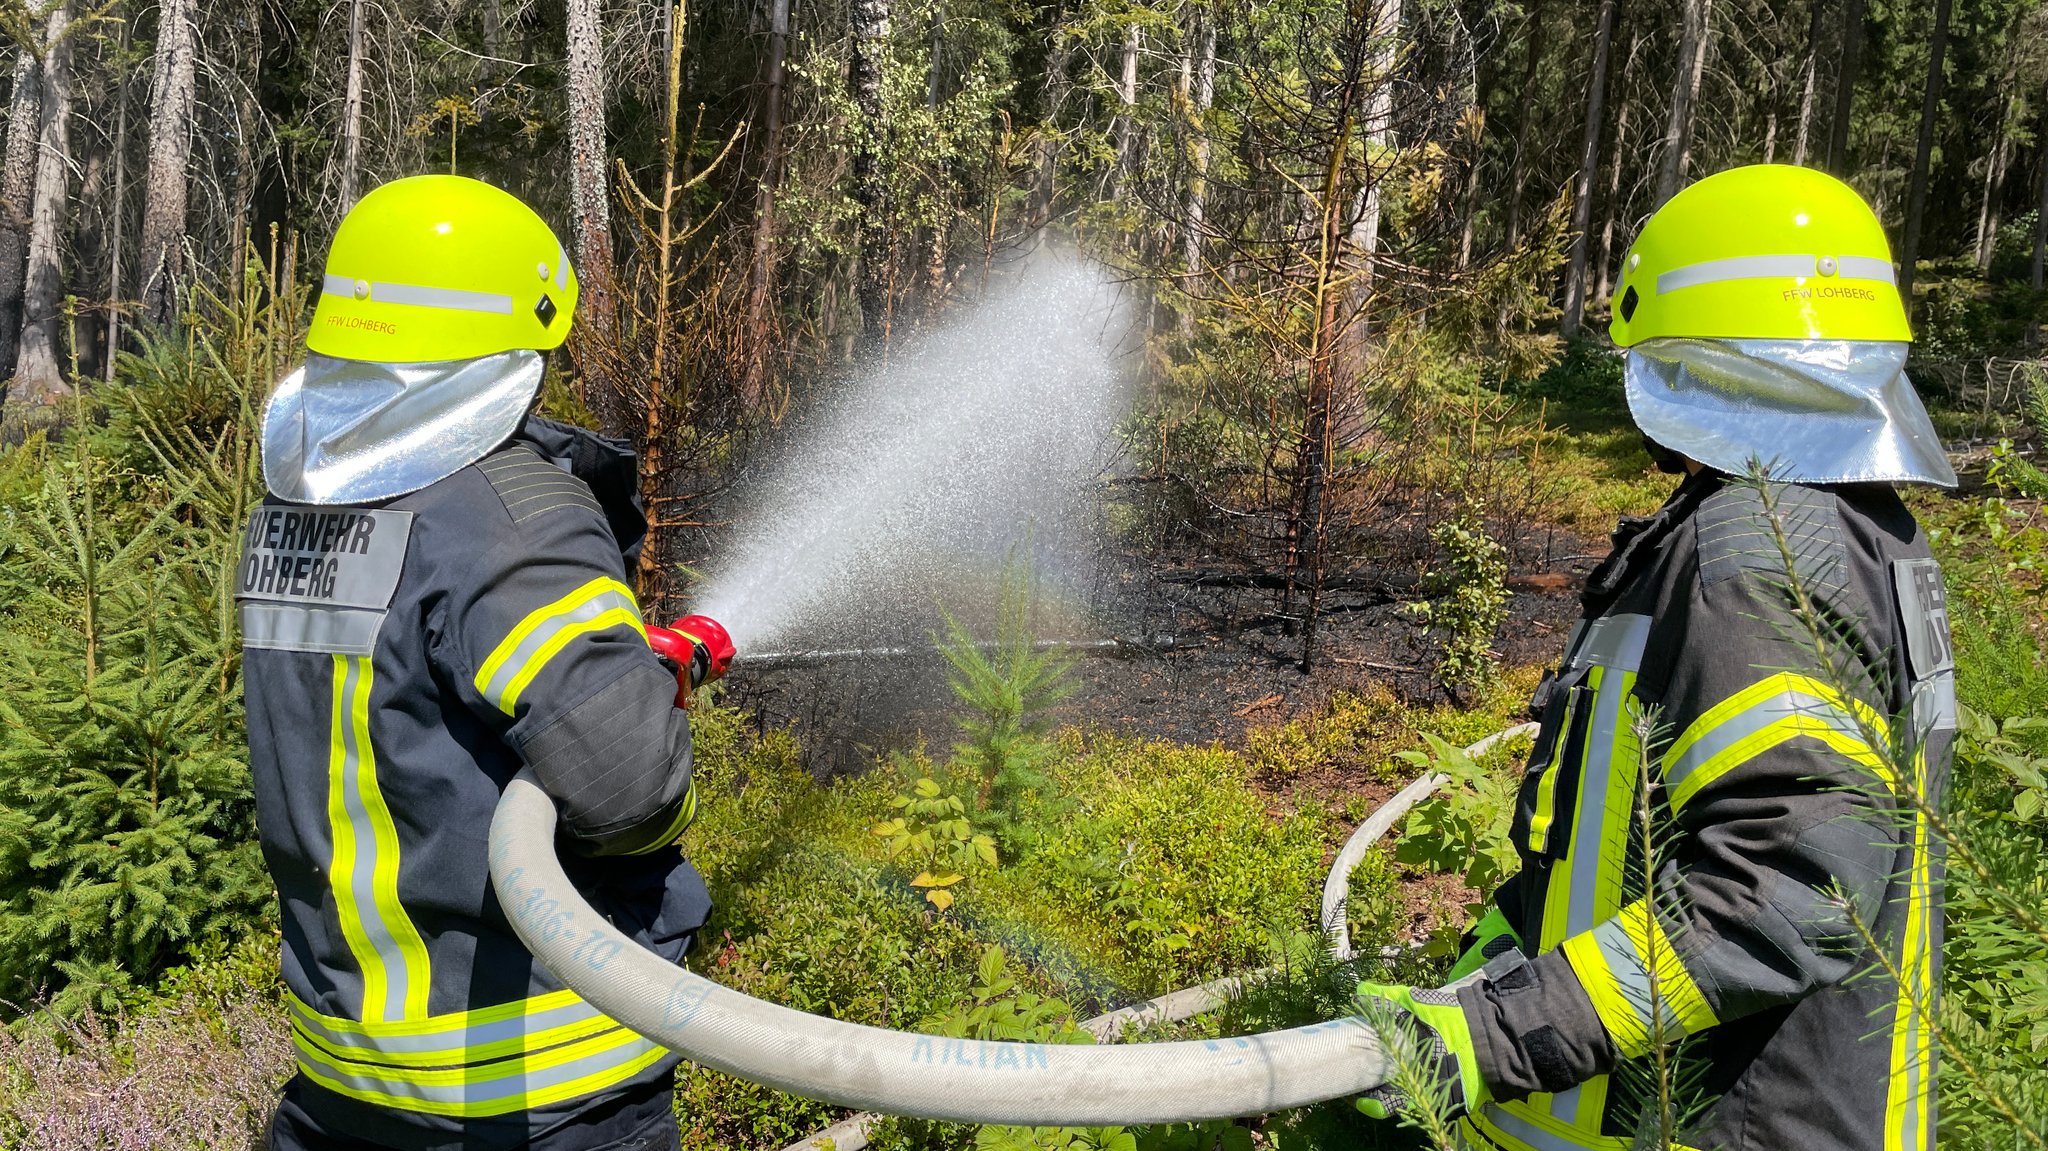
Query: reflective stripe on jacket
1690, 703
403, 662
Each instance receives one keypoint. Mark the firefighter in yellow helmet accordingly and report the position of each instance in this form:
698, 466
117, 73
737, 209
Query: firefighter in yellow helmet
1764, 336
432, 598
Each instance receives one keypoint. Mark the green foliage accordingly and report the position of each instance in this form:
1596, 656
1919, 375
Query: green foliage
1005, 689
934, 833
1462, 829
126, 821
1469, 601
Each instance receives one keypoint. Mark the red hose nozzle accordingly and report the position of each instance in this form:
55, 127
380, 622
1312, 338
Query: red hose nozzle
699, 648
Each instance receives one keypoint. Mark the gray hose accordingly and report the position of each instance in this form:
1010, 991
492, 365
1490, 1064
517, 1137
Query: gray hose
896, 1072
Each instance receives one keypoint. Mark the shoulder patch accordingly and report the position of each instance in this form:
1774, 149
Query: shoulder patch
1736, 537
531, 486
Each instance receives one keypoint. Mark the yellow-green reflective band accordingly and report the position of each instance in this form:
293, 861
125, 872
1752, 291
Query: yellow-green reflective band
364, 873
602, 603
1529, 1126
516, 1084
1785, 267
1762, 716
685, 816
417, 295
1909, 1093
1627, 963
522, 1026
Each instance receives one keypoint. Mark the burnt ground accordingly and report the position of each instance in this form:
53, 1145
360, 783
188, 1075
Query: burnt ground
1210, 660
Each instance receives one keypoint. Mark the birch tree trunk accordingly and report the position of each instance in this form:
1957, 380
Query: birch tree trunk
870, 187
1685, 87
1810, 72
1582, 191
1923, 148
37, 375
172, 93
1847, 70
352, 109
17, 188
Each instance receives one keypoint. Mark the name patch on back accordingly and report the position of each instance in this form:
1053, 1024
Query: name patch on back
319, 579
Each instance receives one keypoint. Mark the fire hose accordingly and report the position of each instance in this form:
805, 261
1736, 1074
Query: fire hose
897, 1072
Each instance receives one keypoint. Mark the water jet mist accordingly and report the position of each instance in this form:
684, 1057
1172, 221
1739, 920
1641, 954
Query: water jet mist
928, 469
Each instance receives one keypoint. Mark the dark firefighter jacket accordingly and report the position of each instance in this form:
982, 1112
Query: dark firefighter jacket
403, 662
1783, 844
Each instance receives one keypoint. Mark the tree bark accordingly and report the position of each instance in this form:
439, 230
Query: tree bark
1807, 81
760, 289
1201, 95
352, 110
1582, 191
591, 219
117, 214
870, 185
1364, 240
37, 375
1518, 168
172, 93
1127, 104
17, 188
2040, 264
1044, 184
1846, 73
1685, 88
1923, 149
1988, 211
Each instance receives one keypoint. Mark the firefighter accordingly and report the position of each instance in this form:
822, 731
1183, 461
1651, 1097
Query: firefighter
432, 598
1766, 342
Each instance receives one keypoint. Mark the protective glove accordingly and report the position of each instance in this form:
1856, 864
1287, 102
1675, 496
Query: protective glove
697, 648
1428, 1024
1492, 936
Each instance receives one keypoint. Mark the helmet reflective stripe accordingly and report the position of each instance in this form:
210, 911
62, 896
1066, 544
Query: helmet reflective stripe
1775, 268
452, 298
561, 268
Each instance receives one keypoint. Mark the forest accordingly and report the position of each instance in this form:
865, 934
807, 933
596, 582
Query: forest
1354, 443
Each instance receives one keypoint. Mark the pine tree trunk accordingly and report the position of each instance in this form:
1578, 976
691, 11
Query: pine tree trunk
1847, 70
1044, 183
17, 189
1378, 125
760, 290
352, 110
172, 93
1699, 68
2035, 272
1988, 211
1685, 87
1923, 149
1518, 168
1127, 104
1201, 95
117, 215
590, 226
1582, 191
37, 376
1613, 211
1810, 72
870, 185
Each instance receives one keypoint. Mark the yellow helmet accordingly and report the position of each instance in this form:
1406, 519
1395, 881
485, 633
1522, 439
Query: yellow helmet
442, 268
1765, 252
